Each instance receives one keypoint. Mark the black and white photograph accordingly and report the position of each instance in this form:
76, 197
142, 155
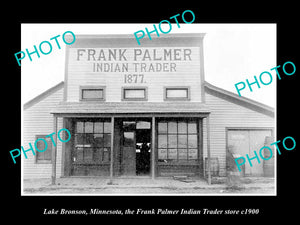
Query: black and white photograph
137, 112
183, 113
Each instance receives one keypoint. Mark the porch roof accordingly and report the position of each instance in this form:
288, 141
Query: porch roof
129, 107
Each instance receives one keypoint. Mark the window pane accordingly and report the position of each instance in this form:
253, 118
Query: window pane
182, 141
129, 125
162, 153
98, 127
106, 140
41, 145
79, 127
98, 140
182, 153
79, 140
47, 153
134, 93
107, 127
192, 140
93, 137
40, 155
49, 142
172, 141
88, 127
162, 141
89, 140
97, 155
193, 153
192, 127
182, 127
172, 153
79, 154
92, 94
106, 155
162, 128
143, 125
88, 154
177, 93
128, 139
172, 127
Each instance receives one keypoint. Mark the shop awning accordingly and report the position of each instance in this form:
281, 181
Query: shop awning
130, 108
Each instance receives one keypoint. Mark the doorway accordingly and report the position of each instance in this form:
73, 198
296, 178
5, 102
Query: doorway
136, 147
244, 141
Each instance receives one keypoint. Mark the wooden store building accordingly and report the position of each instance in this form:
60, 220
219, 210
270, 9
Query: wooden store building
142, 110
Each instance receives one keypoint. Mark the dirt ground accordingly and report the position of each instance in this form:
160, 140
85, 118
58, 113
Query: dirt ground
138, 186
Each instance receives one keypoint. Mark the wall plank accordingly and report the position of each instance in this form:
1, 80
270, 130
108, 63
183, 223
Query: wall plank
37, 120
225, 114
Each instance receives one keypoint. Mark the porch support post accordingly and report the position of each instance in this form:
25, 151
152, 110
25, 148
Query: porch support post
153, 149
112, 148
54, 152
208, 151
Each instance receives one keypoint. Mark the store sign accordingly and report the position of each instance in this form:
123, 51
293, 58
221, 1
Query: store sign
137, 60
116, 67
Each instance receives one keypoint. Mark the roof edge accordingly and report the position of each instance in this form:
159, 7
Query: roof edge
258, 105
173, 35
43, 95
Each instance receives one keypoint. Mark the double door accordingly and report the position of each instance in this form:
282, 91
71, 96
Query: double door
245, 141
135, 147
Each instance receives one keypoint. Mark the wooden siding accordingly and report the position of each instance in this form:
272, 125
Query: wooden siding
178, 170
37, 120
80, 73
226, 114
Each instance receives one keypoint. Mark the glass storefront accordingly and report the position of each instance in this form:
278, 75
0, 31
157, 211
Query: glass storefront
176, 145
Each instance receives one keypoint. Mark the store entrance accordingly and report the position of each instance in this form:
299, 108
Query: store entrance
136, 147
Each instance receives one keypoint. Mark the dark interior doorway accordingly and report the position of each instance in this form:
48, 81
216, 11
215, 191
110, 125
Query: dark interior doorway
143, 151
136, 147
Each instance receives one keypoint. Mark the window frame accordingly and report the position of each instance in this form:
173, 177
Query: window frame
166, 133
92, 87
145, 98
187, 88
101, 148
49, 147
